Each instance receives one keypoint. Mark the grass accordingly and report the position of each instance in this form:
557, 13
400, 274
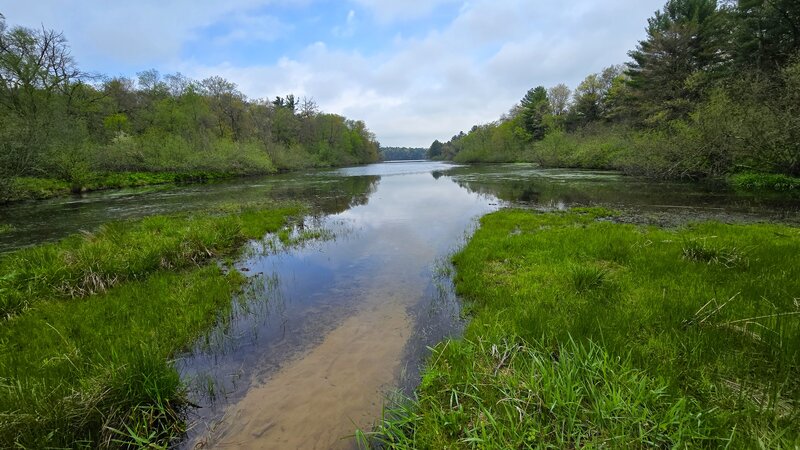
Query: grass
589, 333
92, 263
765, 182
6, 228
93, 320
32, 188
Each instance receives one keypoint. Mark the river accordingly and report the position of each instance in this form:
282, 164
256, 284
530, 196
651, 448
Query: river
329, 327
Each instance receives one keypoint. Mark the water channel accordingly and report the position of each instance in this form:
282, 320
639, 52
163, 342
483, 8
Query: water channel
329, 327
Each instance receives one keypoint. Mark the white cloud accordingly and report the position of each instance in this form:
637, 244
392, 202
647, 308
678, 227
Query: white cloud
349, 27
126, 32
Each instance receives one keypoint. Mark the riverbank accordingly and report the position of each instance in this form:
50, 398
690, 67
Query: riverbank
650, 154
31, 188
90, 323
588, 332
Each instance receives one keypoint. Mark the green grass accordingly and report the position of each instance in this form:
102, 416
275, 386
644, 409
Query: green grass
93, 320
6, 228
92, 263
764, 181
31, 188
590, 333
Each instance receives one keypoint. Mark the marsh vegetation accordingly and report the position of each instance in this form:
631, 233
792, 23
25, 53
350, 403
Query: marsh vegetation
91, 323
588, 332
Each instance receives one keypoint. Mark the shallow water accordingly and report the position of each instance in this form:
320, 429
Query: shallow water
329, 327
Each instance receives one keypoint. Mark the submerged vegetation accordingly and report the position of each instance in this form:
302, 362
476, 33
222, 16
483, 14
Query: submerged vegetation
713, 90
91, 322
589, 333
62, 130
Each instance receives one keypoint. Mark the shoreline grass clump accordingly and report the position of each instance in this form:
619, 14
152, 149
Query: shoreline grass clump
527, 394
706, 315
765, 182
93, 262
86, 341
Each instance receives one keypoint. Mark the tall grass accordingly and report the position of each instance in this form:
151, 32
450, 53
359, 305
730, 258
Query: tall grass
92, 321
527, 394
707, 316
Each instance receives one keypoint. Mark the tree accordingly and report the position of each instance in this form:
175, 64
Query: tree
35, 65
228, 104
533, 108
435, 150
38, 76
558, 96
672, 66
768, 33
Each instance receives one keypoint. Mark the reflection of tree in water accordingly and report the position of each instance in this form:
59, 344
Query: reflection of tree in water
537, 191
583, 189
437, 174
328, 195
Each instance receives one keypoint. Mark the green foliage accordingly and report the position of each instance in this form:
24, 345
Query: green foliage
403, 153
590, 333
435, 150
86, 365
712, 91
54, 124
532, 110
760, 181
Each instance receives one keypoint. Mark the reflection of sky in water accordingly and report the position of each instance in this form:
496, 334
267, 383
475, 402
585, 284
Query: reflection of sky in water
332, 191
385, 248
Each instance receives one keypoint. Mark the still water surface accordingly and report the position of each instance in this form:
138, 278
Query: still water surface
328, 328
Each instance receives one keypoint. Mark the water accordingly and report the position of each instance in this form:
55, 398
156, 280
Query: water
328, 328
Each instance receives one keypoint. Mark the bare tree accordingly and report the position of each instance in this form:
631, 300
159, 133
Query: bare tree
308, 108
34, 65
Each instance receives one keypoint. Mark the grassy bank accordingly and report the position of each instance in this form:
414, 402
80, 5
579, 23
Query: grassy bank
31, 188
653, 154
91, 322
590, 333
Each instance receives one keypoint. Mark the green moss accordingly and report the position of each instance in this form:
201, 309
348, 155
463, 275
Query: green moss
706, 316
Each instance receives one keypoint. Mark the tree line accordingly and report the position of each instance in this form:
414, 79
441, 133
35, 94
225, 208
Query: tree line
57, 121
713, 90
403, 153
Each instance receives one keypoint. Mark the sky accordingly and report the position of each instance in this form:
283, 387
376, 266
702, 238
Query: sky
413, 70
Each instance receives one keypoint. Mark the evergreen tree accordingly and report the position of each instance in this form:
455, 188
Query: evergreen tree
671, 67
533, 108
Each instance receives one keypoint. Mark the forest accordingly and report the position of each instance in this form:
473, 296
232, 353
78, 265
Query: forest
63, 129
402, 153
713, 91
